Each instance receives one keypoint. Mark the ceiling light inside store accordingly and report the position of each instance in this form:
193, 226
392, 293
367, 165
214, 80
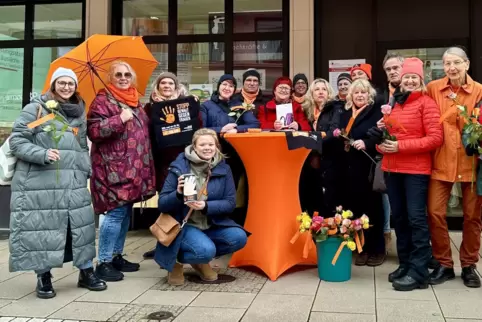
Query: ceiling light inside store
154, 18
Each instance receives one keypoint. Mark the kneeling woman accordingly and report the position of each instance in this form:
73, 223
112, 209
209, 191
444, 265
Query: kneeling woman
209, 231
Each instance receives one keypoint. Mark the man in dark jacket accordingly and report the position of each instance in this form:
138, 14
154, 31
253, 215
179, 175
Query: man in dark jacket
392, 65
251, 93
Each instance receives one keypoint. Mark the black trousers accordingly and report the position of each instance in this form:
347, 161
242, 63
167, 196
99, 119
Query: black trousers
408, 199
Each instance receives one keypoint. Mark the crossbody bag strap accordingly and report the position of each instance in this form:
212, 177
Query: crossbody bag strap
200, 192
39, 111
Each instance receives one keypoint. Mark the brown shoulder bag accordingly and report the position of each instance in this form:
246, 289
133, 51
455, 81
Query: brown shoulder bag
166, 228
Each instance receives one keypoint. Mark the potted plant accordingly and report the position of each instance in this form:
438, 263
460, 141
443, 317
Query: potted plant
336, 238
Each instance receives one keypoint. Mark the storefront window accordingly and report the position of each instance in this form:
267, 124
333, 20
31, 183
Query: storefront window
159, 51
257, 16
11, 85
200, 17
56, 21
432, 60
12, 22
265, 56
145, 17
199, 67
42, 57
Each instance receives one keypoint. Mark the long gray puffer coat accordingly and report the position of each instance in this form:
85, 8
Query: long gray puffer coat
42, 207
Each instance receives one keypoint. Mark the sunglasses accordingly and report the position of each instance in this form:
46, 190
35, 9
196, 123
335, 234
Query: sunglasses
126, 75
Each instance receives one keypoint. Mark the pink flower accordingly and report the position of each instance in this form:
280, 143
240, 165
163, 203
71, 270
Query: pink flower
336, 133
343, 229
339, 209
346, 222
318, 219
331, 221
386, 109
315, 226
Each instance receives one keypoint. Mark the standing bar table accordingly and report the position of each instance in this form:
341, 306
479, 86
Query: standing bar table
273, 175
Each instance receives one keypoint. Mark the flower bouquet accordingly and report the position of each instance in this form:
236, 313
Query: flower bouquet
472, 131
336, 238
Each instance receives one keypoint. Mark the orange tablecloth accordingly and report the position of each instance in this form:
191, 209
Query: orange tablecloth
273, 177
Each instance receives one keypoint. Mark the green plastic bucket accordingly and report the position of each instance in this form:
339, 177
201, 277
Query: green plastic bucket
341, 271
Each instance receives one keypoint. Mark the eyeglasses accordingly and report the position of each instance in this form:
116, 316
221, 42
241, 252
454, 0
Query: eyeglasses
126, 75
283, 89
456, 63
63, 84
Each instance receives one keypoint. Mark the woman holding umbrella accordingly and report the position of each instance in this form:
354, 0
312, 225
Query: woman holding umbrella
122, 164
52, 220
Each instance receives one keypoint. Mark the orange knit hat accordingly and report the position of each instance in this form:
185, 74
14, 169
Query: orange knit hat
366, 68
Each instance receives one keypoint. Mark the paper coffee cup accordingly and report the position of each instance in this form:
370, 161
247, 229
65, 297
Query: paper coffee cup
190, 193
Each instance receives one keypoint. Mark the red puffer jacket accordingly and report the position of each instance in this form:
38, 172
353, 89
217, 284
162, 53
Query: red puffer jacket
419, 116
267, 116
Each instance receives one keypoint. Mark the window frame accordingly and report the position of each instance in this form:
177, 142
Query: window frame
29, 43
228, 37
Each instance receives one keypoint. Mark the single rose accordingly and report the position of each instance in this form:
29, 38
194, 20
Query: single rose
51, 104
386, 109
336, 133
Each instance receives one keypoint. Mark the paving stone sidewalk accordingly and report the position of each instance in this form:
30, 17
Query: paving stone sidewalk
297, 296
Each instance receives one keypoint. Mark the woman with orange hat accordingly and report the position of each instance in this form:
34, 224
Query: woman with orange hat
408, 159
361, 71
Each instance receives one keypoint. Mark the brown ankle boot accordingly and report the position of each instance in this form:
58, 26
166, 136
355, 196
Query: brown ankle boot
206, 272
388, 240
176, 277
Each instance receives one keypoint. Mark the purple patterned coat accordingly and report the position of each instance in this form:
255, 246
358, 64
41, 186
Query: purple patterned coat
122, 164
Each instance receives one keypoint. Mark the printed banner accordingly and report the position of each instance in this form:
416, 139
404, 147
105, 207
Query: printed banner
174, 122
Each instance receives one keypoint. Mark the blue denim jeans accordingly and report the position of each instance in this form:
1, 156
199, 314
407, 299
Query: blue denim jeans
386, 212
200, 247
113, 232
83, 266
408, 199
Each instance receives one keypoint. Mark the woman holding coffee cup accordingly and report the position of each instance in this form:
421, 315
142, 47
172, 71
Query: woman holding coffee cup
199, 179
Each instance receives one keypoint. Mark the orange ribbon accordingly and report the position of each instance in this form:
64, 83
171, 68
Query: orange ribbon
295, 237
75, 130
307, 247
41, 121
338, 252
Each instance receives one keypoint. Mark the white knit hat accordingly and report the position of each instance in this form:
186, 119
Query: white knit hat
61, 72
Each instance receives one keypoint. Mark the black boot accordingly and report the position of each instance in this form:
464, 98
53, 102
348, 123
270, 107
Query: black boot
88, 280
149, 254
107, 272
123, 265
441, 275
45, 290
470, 277
398, 273
408, 283
433, 264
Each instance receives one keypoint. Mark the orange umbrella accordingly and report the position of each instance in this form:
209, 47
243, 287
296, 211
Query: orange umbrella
91, 60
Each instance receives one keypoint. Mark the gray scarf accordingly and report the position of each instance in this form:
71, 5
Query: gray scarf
72, 108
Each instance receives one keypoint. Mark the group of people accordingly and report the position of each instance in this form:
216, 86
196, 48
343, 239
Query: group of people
52, 219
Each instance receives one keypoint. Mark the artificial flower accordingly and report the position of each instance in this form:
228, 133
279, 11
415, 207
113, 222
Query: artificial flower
347, 214
346, 222
51, 104
351, 245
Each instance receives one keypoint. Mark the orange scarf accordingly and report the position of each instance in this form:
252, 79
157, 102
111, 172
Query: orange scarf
249, 98
356, 112
298, 99
129, 96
